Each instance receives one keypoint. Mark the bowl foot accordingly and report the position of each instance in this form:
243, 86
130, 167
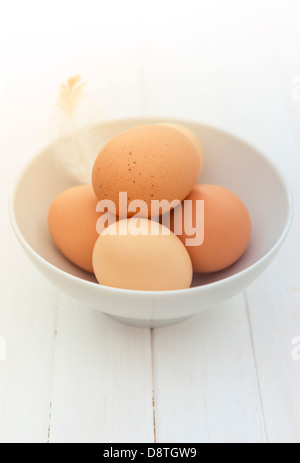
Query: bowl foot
148, 323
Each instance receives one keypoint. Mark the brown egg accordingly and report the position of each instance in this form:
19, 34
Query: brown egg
72, 222
140, 254
150, 162
227, 228
192, 136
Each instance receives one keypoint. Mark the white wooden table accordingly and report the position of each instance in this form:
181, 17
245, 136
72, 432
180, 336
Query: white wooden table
72, 375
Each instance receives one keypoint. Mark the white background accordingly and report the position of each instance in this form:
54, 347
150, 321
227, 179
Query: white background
225, 376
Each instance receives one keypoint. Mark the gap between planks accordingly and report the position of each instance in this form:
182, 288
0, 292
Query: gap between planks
53, 372
53, 362
153, 398
255, 368
153, 384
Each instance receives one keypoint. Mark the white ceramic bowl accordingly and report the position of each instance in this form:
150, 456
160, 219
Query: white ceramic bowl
228, 162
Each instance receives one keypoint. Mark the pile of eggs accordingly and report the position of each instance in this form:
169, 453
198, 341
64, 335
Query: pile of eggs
134, 249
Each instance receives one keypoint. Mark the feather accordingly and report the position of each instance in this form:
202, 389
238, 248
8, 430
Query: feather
69, 116
70, 94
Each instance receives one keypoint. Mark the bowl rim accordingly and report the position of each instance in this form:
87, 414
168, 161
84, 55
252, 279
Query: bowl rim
138, 293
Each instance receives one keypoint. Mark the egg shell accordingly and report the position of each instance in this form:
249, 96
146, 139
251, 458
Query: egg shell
72, 221
150, 162
137, 257
227, 228
192, 136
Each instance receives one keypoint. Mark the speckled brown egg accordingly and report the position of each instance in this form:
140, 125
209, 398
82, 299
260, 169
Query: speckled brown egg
150, 162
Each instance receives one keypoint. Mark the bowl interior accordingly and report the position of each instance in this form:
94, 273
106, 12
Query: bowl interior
229, 162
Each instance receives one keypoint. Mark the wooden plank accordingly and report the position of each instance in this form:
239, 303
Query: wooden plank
274, 313
103, 379
275, 320
27, 313
275, 299
250, 99
206, 387
205, 381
